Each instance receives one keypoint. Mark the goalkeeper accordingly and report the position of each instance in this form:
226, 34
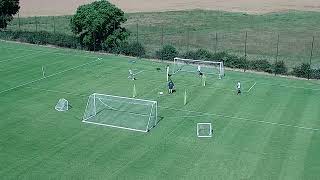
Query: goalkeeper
170, 86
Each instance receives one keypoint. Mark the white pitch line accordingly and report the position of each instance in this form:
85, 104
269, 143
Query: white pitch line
293, 87
26, 55
251, 87
55, 91
139, 72
245, 119
56, 52
30, 82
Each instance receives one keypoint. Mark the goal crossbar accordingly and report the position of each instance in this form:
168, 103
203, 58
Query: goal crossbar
121, 97
197, 60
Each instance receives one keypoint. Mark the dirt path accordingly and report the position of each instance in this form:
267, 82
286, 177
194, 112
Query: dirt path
65, 7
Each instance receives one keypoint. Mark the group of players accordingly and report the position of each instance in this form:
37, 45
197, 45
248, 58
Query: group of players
171, 85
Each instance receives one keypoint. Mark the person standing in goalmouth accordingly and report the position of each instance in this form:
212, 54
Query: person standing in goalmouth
131, 75
238, 88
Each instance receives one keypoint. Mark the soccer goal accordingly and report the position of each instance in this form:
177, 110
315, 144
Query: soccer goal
62, 105
121, 112
204, 130
193, 66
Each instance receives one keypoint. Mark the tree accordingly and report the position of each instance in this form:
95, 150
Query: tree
98, 25
135, 49
167, 52
8, 8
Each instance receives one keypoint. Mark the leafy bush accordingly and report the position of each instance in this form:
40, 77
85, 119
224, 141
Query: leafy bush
315, 73
167, 52
280, 67
261, 65
303, 70
200, 54
234, 61
219, 56
133, 49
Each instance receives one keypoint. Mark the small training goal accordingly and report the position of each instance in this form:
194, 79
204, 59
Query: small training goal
193, 66
62, 105
121, 112
204, 130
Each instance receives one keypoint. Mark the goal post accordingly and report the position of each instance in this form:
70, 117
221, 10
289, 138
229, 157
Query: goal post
121, 112
192, 66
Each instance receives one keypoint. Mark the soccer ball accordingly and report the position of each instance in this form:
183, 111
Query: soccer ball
161, 93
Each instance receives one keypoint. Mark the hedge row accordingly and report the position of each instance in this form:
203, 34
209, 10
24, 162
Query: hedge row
305, 71
168, 52
68, 41
42, 38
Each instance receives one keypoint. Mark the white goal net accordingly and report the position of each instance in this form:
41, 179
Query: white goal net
121, 112
193, 66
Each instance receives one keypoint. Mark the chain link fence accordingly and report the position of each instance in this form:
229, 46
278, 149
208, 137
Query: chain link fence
293, 48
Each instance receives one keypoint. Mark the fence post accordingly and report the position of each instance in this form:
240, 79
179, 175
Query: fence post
188, 38
245, 46
216, 49
310, 61
35, 19
3, 21
162, 35
94, 41
137, 32
114, 40
278, 41
19, 22
54, 25
245, 52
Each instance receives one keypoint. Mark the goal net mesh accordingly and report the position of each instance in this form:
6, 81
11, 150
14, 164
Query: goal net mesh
121, 112
192, 66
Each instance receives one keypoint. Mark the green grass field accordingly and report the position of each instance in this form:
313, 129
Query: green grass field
295, 29
271, 131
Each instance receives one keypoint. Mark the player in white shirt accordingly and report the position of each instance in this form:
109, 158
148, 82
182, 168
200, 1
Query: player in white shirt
168, 75
238, 88
199, 70
131, 75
